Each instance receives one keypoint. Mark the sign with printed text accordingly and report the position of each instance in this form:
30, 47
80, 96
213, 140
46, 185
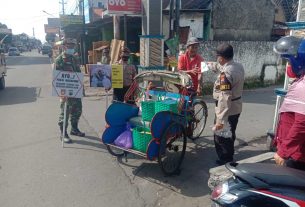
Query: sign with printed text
67, 84
131, 7
100, 75
117, 76
66, 20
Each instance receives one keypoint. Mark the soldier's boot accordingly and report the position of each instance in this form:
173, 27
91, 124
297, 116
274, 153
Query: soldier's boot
66, 136
75, 131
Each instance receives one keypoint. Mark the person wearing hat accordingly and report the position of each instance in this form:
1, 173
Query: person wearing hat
290, 133
190, 62
66, 61
106, 55
227, 93
129, 72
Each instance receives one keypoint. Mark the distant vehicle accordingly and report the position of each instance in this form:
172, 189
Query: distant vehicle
13, 51
46, 49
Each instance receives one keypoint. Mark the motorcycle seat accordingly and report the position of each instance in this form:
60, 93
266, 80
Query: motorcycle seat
273, 175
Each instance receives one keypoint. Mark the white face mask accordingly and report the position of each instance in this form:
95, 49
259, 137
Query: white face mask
70, 51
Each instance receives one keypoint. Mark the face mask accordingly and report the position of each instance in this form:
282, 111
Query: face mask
289, 72
69, 51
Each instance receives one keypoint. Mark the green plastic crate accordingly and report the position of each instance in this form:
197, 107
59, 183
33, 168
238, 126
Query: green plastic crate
166, 105
148, 110
141, 138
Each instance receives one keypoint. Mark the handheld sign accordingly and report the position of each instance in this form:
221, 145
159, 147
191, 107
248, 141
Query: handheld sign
67, 84
117, 76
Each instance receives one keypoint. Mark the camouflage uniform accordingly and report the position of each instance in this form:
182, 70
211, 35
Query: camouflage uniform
66, 62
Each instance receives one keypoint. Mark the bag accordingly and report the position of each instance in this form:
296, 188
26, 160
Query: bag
124, 140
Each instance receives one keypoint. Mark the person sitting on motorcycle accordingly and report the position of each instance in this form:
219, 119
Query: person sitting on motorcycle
290, 134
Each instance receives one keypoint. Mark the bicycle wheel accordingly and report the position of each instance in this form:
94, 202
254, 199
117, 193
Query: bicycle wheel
115, 151
199, 118
172, 149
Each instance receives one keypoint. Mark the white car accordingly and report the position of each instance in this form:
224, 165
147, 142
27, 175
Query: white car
13, 51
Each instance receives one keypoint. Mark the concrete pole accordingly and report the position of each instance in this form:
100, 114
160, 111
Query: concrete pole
116, 27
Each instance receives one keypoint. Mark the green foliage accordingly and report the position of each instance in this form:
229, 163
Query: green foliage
3, 26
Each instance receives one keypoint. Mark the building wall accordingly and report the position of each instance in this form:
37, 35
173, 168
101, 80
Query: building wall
244, 20
253, 55
194, 20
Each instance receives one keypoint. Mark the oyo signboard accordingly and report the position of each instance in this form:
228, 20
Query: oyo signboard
121, 7
67, 84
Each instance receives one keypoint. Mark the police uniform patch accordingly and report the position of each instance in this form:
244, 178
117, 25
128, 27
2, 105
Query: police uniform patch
225, 84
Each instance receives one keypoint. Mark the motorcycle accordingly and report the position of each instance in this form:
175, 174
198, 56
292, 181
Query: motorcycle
260, 185
50, 54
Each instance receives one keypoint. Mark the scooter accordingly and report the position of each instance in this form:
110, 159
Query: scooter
260, 185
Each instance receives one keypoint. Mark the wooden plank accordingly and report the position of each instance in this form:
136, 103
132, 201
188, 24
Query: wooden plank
115, 50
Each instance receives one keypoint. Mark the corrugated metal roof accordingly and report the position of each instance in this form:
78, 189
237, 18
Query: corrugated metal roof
190, 4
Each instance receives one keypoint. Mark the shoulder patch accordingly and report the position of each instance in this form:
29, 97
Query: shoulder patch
225, 84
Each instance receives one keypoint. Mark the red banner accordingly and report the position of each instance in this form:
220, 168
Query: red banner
124, 7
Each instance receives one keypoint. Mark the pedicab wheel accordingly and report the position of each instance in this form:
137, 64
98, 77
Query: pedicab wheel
115, 151
199, 118
172, 149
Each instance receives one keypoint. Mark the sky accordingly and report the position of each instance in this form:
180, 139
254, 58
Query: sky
23, 15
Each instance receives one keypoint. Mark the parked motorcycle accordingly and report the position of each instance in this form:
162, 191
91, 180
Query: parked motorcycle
261, 185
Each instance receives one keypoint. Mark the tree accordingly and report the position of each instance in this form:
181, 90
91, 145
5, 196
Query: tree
3, 26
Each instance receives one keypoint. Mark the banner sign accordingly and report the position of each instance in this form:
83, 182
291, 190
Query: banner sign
117, 76
66, 20
131, 7
100, 75
51, 30
67, 84
54, 22
5, 31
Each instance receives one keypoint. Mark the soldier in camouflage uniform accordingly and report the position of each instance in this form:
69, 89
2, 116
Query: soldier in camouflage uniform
67, 62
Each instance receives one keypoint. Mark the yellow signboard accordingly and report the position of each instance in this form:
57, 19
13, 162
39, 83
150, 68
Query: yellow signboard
117, 76
66, 20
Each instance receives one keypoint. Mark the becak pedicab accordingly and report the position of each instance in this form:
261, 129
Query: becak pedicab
159, 123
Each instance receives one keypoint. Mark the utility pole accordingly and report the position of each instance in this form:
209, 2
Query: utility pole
177, 17
116, 27
84, 59
33, 32
63, 6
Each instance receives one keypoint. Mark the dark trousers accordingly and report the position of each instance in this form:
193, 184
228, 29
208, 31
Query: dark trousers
119, 93
225, 146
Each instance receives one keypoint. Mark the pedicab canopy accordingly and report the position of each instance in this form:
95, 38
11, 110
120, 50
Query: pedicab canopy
179, 78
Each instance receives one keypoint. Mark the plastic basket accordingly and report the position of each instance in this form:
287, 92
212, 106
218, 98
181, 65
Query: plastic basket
141, 138
166, 105
148, 110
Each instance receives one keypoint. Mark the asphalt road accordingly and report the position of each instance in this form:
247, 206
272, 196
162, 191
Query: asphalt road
36, 171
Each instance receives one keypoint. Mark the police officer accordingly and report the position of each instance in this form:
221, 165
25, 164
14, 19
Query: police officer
227, 94
66, 61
